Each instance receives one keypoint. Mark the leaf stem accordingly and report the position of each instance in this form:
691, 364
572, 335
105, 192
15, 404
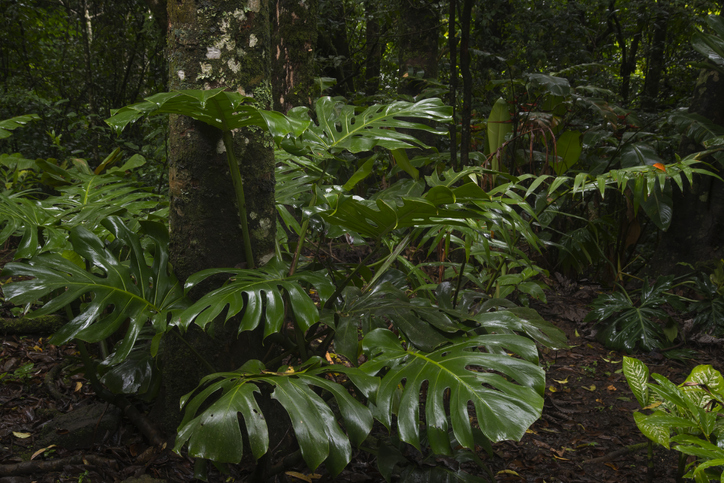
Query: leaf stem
200, 357
240, 200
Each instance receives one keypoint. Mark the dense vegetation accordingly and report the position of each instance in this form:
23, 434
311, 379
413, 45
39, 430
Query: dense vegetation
419, 207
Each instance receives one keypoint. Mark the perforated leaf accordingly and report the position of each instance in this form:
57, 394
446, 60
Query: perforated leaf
505, 391
259, 294
117, 291
214, 432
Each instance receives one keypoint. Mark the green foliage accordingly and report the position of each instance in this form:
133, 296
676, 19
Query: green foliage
115, 290
85, 199
436, 340
690, 411
709, 309
11, 124
627, 325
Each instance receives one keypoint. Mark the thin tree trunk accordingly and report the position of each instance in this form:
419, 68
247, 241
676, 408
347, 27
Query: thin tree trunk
453, 46
373, 48
467, 82
656, 64
295, 39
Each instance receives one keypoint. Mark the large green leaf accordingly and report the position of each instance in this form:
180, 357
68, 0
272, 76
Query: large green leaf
259, 294
216, 107
86, 199
376, 219
11, 124
339, 127
655, 429
637, 376
422, 324
504, 409
499, 126
116, 290
522, 320
569, 149
214, 432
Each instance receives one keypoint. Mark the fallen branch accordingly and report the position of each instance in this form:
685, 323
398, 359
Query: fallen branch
612, 456
37, 466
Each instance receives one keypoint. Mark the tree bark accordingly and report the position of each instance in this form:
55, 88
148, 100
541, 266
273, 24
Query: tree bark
214, 44
467, 82
453, 46
419, 24
373, 48
656, 61
295, 39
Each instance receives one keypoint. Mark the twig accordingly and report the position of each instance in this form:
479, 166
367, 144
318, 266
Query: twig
612, 456
36, 466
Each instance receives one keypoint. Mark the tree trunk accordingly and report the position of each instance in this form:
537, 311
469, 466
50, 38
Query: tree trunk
467, 82
656, 61
373, 48
453, 46
419, 24
210, 45
696, 234
295, 39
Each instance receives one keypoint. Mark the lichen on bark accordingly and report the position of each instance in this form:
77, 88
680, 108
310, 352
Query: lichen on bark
210, 45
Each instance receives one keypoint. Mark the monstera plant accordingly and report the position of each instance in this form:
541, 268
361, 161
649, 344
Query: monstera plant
358, 345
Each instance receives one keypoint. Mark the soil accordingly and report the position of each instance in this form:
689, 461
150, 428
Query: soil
583, 435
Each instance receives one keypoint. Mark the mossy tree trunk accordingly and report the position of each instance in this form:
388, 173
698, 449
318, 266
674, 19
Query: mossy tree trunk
215, 44
294, 38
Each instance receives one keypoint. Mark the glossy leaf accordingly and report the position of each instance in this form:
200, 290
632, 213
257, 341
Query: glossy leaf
637, 376
214, 432
499, 125
259, 294
504, 409
569, 149
656, 430
13, 123
118, 291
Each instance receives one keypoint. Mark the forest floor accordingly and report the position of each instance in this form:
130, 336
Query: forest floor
583, 436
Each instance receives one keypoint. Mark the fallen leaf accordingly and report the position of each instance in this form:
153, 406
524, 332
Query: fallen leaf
611, 465
590, 389
552, 389
41, 451
564, 381
78, 385
507, 472
303, 477
660, 166
37, 348
612, 388
21, 435
654, 405
560, 458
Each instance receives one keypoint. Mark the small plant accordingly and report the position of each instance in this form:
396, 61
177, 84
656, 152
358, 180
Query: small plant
21, 375
691, 412
709, 310
628, 324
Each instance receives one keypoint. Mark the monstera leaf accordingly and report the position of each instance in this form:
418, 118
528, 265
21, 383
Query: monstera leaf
375, 219
504, 409
86, 199
115, 290
216, 107
27, 218
214, 433
258, 293
340, 128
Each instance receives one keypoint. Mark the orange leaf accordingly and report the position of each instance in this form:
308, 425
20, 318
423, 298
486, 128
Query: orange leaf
660, 166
